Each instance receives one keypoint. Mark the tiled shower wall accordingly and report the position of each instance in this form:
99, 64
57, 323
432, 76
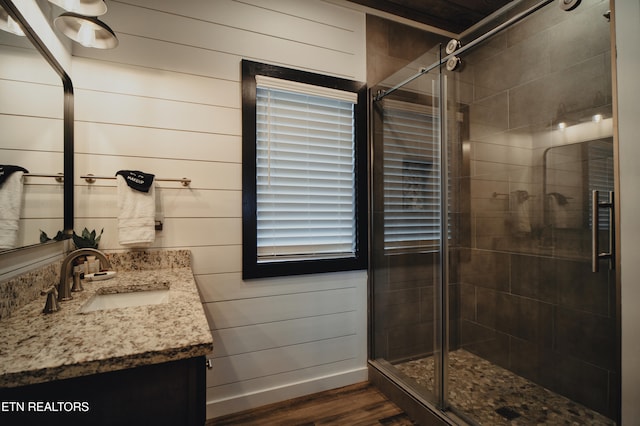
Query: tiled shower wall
549, 320
525, 304
403, 305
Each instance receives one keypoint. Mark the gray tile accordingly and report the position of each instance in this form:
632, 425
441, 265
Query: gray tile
587, 337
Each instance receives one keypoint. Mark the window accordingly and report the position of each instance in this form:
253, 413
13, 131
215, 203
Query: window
303, 172
411, 166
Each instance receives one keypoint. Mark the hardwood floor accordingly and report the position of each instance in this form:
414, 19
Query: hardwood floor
360, 404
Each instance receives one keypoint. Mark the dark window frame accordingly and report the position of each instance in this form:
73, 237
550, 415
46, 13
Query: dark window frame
251, 268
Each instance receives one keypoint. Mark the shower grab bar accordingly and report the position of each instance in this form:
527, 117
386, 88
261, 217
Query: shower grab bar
596, 256
382, 93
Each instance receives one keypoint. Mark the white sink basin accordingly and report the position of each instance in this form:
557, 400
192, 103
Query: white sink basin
125, 299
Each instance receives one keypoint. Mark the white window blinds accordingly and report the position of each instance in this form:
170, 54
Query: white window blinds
305, 176
411, 177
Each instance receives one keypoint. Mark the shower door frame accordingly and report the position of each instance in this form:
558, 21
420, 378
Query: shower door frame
409, 399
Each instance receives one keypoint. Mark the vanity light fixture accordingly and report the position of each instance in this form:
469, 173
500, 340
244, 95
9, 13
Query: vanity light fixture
82, 7
89, 31
8, 24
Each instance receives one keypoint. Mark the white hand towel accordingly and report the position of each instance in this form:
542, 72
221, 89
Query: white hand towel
136, 217
558, 208
10, 204
519, 206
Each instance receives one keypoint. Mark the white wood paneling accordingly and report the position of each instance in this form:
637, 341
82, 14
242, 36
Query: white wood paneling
164, 55
27, 65
43, 201
243, 312
269, 362
215, 260
239, 396
309, 23
168, 101
259, 337
30, 99
171, 201
155, 83
110, 139
230, 286
36, 133
140, 111
178, 232
315, 44
35, 162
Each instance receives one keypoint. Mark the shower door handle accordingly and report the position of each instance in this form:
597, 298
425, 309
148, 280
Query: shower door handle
596, 256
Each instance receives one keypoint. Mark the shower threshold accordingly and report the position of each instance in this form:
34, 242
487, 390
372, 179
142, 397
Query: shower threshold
492, 395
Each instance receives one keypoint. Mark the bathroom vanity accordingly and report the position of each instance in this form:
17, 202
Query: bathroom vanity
110, 365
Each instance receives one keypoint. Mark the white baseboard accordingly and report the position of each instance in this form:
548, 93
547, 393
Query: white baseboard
237, 403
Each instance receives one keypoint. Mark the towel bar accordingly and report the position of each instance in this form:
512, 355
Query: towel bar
498, 194
91, 179
58, 177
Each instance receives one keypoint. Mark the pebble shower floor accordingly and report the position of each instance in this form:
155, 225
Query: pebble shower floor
492, 395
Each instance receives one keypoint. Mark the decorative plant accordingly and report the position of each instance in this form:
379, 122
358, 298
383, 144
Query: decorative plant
88, 239
44, 237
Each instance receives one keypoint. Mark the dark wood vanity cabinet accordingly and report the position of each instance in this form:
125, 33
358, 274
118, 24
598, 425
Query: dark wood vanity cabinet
171, 393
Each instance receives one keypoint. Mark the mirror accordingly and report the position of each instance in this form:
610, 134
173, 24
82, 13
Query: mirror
33, 136
571, 173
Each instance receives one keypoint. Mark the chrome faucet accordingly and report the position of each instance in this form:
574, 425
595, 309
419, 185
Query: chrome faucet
64, 287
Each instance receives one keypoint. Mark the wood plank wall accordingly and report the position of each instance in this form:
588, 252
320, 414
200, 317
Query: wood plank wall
168, 101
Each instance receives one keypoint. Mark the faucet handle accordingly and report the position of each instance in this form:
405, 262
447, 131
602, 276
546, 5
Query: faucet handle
51, 304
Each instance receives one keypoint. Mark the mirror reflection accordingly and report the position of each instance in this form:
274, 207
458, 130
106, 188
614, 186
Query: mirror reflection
572, 173
31, 119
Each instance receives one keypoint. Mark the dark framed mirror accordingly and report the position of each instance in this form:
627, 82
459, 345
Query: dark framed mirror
36, 115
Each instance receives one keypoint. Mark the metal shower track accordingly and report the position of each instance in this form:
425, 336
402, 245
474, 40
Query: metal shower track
381, 94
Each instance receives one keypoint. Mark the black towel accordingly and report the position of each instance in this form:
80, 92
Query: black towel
560, 199
137, 180
6, 170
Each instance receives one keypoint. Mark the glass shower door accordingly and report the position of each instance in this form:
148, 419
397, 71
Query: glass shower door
536, 337
405, 241
485, 306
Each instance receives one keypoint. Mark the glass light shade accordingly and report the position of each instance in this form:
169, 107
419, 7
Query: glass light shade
86, 30
82, 7
8, 24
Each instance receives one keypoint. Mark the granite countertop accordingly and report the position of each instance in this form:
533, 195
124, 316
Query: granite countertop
37, 347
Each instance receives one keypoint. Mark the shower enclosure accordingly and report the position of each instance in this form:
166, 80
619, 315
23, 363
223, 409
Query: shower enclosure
493, 290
